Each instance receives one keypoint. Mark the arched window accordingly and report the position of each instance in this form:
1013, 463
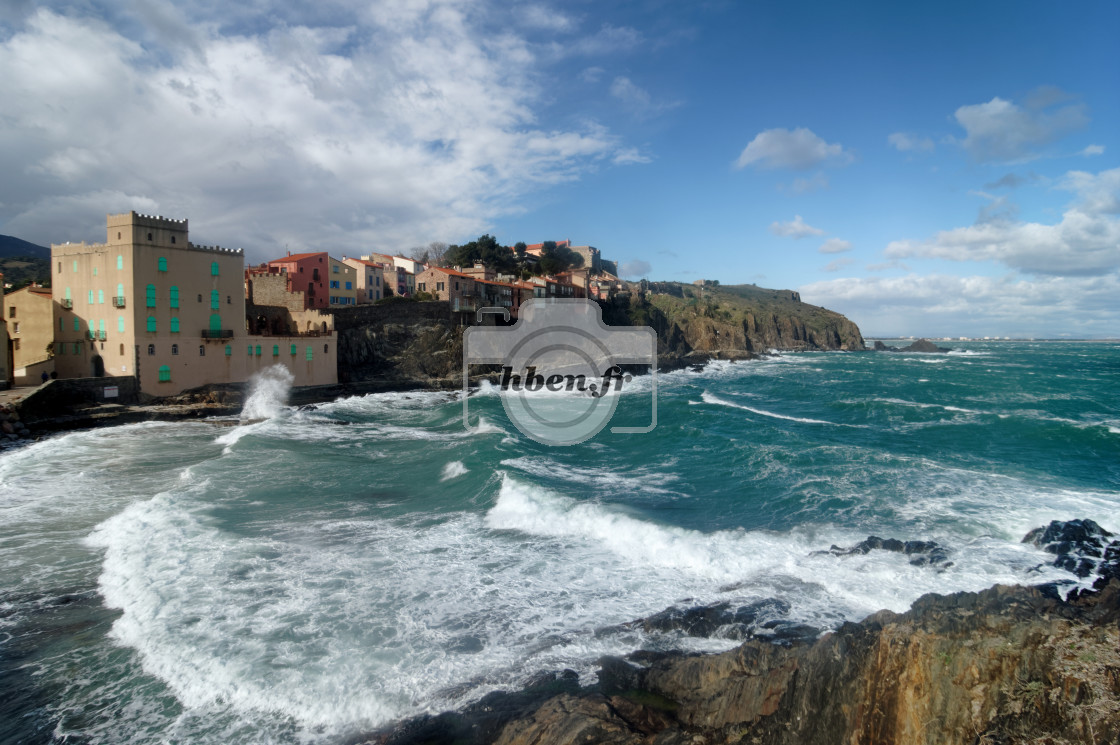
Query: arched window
174, 349
213, 269
164, 374
293, 350
201, 350
172, 239
258, 350
163, 263
101, 329
150, 296
174, 324
149, 236
215, 323
152, 324
151, 349
120, 326
215, 300
120, 295
174, 292
275, 350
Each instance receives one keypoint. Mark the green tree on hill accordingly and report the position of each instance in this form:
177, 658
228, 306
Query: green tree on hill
487, 250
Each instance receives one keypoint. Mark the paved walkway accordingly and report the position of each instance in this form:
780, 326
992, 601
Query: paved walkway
15, 395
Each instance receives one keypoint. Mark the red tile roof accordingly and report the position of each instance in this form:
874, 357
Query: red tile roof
297, 257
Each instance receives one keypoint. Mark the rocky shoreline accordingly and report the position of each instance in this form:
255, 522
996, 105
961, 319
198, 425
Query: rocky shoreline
1005, 665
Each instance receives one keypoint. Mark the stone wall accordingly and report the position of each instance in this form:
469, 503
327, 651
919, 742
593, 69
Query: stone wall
60, 397
403, 312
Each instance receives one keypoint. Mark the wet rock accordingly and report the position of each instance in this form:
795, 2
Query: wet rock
720, 619
1081, 547
881, 347
921, 553
925, 346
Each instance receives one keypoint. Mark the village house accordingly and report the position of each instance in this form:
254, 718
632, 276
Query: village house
5, 349
30, 327
370, 277
325, 281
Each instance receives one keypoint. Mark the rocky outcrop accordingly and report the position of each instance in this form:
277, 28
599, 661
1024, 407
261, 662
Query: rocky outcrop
1007, 665
1082, 547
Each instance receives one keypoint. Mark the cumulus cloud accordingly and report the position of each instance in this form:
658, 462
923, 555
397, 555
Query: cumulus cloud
1085, 242
635, 269
386, 127
1002, 131
630, 155
1091, 150
799, 149
905, 142
795, 228
835, 246
940, 304
541, 17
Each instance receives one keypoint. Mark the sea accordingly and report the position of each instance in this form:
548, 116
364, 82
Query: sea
304, 575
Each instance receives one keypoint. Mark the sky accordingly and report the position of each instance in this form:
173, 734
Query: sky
926, 169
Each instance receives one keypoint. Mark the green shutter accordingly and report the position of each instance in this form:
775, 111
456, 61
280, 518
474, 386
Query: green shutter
91, 297
150, 295
213, 269
215, 300
174, 296
174, 324
151, 323
120, 262
293, 350
77, 324
101, 297
164, 374
229, 350
120, 324
275, 350
310, 353
163, 263
258, 350
215, 322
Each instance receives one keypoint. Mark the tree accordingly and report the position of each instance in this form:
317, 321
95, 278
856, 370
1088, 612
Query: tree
487, 250
556, 259
433, 254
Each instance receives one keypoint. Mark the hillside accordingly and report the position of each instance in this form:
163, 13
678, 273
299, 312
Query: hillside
22, 262
730, 321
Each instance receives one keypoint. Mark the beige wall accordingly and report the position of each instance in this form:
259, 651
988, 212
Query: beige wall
370, 280
272, 289
30, 325
262, 352
88, 277
341, 273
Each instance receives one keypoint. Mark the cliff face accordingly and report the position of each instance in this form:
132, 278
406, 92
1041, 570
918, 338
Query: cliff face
732, 321
403, 341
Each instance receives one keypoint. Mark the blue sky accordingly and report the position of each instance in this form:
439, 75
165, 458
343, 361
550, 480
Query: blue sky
925, 169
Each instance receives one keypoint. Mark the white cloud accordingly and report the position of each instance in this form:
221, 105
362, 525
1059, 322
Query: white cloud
1091, 150
626, 91
630, 155
402, 125
1086, 241
974, 305
905, 142
784, 148
795, 228
541, 17
634, 269
592, 74
806, 185
1002, 131
838, 264
835, 246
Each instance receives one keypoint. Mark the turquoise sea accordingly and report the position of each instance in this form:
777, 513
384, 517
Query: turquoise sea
326, 570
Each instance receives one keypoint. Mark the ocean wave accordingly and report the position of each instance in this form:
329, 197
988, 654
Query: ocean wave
709, 398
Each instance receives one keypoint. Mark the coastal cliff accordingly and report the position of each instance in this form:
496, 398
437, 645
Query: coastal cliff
422, 341
1008, 665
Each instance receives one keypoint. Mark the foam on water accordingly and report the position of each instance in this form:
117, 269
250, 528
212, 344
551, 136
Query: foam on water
711, 399
452, 470
268, 393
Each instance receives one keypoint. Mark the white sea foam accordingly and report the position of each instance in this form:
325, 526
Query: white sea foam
452, 470
268, 393
711, 399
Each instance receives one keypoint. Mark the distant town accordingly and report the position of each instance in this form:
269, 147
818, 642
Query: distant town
150, 305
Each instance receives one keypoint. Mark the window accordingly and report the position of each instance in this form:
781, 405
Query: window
334, 268
101, 297
120, 294
174, 349
77, 347
440, 287
152, 324
60, 267
215, 323
15, 345
369, 294
378, 281
77, 324
275, 350
11, 311
172, 239
67, 293
16, 327
229, 299
62, 347
215, 300
150, 296
101, 329
118, 235
423, 287
162, 262
293, 350
213, 269
349, 285
174, 296
258, 350
95, 271
75, 265
334, 284
456, 284
120, 326
229, 350
201, 350
149, 236
151, 350
91, 297
164, 374
200, 298
310, 354
122, 350
326, 348
60, 324
250, 350
174, 324
120, 259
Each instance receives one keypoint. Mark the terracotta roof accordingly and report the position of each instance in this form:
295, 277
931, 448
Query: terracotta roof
375, 264
445, 270
297, 257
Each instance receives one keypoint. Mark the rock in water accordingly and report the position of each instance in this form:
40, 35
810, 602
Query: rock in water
921, 553
1082, 547
925, 346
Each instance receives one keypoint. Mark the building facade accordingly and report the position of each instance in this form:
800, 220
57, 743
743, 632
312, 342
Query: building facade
370, 279
30, 316
149, 303
5, 351
325, 281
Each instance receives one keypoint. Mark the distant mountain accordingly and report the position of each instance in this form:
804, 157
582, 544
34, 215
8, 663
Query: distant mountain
22, 262
12, 246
